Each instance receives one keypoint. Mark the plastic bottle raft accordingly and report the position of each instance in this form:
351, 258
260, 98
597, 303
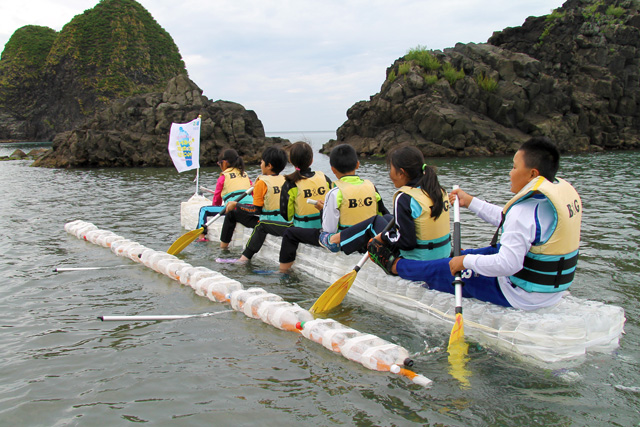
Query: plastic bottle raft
368, 350
563, 333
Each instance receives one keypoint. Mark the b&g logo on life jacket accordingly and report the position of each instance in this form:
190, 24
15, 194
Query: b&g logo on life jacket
355, 203
573, 208
311, 192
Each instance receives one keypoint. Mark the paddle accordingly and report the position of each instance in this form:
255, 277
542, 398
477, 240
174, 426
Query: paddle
458, 328
457, 346
335, 293
188, 237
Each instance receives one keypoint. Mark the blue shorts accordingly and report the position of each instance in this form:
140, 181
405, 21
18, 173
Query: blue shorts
438, 276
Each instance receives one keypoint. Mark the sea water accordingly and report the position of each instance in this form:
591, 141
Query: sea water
60, 365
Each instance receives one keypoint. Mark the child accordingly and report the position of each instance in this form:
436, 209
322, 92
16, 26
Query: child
232, 182
351, 200
264, 213
421, 208
301, 185
536, 259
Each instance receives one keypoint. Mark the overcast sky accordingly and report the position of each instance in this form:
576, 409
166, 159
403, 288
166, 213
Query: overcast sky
299, 64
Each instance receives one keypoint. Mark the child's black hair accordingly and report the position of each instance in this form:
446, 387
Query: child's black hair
231, 156
301, 157
276, 157
343, 158
541, 154
411, 161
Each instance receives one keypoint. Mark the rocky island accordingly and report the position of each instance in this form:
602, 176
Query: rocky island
572, 75
106, 89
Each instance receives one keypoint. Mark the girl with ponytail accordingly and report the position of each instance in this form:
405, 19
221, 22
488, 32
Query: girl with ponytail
232, 182
421, 207
303, 184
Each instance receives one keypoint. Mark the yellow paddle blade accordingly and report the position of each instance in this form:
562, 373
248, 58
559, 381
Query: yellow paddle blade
334, 294
458, 360
457, 332
184, 241
458, 350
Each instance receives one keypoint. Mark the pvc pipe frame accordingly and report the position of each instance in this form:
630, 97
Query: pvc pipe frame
63, 269
158, 317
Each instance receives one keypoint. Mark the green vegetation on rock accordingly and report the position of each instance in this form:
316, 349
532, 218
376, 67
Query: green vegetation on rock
422, 57
486, 83
118, 48
451, 73
23, 59
114, 50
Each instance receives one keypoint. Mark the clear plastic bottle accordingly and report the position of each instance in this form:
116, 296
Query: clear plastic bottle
70, 226
200, 273
220, 289
315, 329
268, 309
333, 339
374, 352
238, 298
383, 357
252, 304
133, 253
286, 318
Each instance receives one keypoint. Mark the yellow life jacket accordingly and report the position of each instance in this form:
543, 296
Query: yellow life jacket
359, 201
271, 208
316, 188
235, 183
550, 265
433, 235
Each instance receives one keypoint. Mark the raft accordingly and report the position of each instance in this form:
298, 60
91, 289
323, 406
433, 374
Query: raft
562, 334
368, 350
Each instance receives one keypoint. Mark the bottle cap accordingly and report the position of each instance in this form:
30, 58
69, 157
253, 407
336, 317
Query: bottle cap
408, 362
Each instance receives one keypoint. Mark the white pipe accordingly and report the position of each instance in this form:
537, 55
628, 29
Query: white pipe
157, 317
63, 269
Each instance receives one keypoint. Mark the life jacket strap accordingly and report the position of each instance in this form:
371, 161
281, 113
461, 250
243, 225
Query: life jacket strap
555, 280
494, 240
432, 245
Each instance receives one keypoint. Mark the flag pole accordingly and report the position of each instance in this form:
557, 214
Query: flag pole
198, 169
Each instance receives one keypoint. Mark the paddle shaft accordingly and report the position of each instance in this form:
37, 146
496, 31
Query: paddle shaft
236, 199
457, 280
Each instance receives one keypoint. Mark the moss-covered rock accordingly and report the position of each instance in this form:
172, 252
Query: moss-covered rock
572, 75
50, 82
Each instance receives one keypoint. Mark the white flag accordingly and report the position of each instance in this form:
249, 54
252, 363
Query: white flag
184, 145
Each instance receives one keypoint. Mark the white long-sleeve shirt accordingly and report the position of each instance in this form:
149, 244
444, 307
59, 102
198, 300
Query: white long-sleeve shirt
528, 222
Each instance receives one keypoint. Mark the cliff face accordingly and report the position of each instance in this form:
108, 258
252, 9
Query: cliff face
50, 82
135, 131
572, 75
